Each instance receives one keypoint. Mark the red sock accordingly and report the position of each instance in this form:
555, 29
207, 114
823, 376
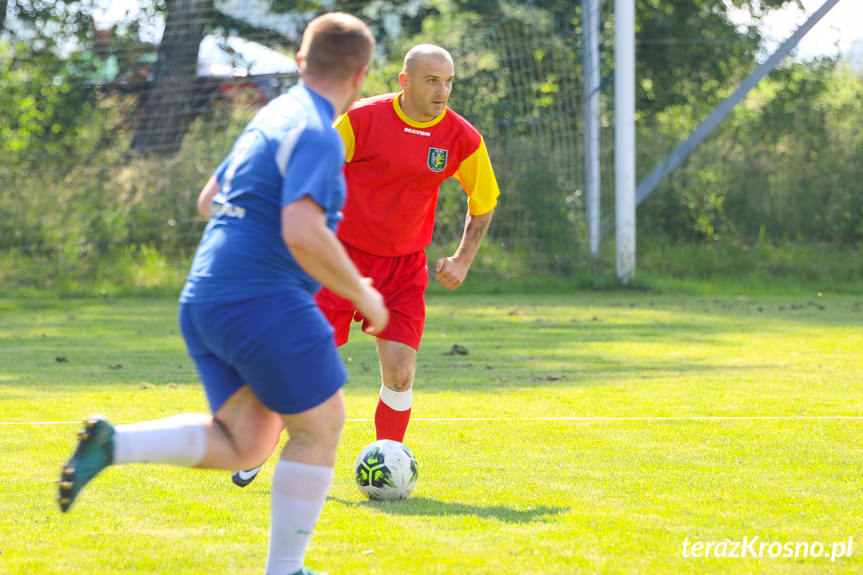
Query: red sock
389, 423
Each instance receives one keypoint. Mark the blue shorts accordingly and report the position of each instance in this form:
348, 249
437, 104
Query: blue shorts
280, 345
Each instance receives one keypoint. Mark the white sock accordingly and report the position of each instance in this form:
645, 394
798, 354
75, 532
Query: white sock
179, 440
298, 496
397, 400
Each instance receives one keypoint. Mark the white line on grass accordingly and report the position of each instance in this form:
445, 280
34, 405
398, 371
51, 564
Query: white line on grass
646, 418
586, 419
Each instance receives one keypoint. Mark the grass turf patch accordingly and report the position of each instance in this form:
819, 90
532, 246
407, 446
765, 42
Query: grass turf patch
591, 432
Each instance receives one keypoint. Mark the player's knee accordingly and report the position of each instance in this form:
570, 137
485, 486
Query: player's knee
330, 436
328, 431
253, 453
400, 378
322, 436
322, 427
252, 441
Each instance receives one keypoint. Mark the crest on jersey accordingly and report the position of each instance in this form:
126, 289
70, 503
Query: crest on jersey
437, 159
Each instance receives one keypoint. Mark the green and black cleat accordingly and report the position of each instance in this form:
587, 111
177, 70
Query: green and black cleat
94, 453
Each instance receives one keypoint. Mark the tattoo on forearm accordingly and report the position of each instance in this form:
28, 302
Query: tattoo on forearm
473, 236
476, 231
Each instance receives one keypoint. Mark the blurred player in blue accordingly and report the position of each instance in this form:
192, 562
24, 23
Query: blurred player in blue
264, 351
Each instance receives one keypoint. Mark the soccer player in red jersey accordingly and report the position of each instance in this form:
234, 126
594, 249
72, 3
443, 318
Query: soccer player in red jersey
399, 148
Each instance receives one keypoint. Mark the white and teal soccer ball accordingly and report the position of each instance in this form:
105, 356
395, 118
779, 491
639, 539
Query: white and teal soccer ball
386, 470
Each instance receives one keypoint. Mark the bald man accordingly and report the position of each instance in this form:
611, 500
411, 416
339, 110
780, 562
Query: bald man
399, 148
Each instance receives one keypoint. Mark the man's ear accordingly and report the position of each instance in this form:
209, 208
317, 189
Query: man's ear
403, 80
301, 63
359, 77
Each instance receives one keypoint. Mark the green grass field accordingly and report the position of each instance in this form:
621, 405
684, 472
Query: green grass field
582, 433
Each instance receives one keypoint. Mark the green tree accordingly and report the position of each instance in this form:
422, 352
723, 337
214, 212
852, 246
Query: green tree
45, 104
168, 106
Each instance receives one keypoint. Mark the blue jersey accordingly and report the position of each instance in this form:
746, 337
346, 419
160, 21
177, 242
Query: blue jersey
289, 150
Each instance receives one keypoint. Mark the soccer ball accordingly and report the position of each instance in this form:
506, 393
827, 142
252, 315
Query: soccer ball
386, 470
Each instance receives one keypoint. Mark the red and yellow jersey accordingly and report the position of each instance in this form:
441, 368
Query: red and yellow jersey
394, 169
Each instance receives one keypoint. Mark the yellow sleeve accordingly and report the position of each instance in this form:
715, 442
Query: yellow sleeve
477, 178
343, 125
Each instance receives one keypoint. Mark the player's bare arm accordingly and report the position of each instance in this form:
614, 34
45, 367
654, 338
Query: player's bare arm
450, 272
320, 254
205, 198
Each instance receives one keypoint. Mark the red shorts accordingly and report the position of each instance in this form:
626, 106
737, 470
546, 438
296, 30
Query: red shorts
401, 280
